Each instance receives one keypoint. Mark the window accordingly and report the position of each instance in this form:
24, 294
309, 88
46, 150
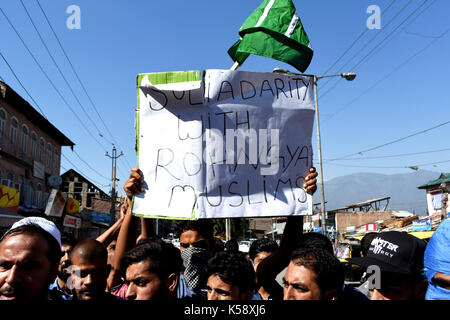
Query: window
2, 126
21, 189
24, 139
56, 161
39, 195
10, 178
13, 134
49, 155
30, 198
41, 150
33, 144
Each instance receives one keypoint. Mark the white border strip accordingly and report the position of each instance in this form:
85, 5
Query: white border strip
265, 13
292, 26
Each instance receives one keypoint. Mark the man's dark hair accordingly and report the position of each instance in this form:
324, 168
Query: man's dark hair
366, 241
233, 268
54, 250
204, 227
164, 258
220, 246
232, 245
262, 245
315, 240
328, 269
89, 249
68, 240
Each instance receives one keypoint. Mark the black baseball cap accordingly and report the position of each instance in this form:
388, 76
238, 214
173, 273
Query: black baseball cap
394, 252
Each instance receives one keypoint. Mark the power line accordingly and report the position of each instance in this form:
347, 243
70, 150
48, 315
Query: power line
389, 167
79, 80
101, 175
371, 52
367, 43
388, 75
356, 40
23, 87
396, 155
57, 67
51, 82
70, 162
392, 142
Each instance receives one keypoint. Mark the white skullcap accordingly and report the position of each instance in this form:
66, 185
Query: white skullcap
45, 224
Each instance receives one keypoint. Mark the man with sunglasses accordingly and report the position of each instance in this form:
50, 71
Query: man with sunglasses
399, 258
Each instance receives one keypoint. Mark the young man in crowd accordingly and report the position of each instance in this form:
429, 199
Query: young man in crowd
230, 277
90, 271
259, 250
437, 263
29, 257
313, 274
197, 245
399, 257
59, 290
152, 270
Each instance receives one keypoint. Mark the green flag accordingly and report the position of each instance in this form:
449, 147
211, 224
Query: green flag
275, 31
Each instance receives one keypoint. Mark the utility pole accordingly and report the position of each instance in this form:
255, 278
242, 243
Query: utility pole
114, 158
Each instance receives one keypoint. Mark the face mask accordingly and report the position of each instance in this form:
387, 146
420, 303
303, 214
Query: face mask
195, 261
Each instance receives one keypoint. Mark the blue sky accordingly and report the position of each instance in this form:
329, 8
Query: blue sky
401, 89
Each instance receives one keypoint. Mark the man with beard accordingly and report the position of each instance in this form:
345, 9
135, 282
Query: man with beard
29, 255
90, 271
60, 290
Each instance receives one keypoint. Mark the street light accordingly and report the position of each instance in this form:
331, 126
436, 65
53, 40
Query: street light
350, 76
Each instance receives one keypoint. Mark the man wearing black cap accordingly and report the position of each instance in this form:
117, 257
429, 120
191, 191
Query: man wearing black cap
399, 257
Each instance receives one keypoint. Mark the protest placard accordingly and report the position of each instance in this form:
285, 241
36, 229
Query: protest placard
224, 144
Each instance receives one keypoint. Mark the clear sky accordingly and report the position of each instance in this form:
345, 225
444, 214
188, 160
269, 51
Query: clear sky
402, 86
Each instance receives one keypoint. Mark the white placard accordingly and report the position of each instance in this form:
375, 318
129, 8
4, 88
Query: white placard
238, 144
55, 204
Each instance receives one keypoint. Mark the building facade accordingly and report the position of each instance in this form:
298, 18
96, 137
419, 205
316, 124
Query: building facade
30, 150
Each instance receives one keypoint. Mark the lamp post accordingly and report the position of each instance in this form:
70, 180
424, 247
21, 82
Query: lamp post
444, 199
347, 76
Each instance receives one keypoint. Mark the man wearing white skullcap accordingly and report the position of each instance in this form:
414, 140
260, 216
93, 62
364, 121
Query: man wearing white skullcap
29, 255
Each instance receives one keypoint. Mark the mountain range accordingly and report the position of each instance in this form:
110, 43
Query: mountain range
402, 188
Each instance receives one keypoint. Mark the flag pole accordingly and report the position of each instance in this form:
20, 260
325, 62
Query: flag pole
235, 65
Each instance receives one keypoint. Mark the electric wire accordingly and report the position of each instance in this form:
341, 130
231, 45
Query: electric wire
79, 80
51, 82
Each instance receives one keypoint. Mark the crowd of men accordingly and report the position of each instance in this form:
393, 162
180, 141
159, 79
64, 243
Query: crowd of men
37, 264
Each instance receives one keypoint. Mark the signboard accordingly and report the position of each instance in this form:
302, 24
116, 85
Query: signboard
371, 227
73, 205
55, 203
38, 170
54, 180
101, 217
237, 144
9, 198
351, 229
72, 222
422, 225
